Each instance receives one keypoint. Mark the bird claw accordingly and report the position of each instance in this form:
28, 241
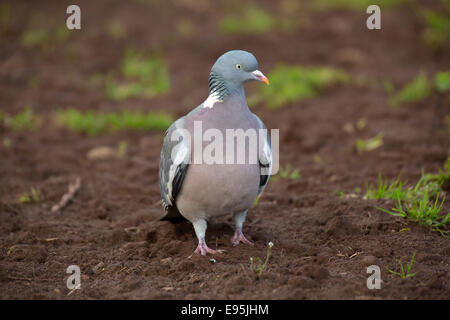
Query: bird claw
239, 237
203, 249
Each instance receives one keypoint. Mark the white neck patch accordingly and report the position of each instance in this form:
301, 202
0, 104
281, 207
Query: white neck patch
211, 100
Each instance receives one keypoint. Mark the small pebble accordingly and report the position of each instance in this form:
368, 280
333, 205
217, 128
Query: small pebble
98, 268
166, 261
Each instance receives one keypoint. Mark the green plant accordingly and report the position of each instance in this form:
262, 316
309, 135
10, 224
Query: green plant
251, 20
256, 264
369, 144
421, 210
437, 30
419, 203
34, 195
294, 83
93, 123
430, 183
44, 37
34, 38
361, 124
288, 173
385, 190
22, 121
442, 81
146, 76
402, 274
416, 90
341, 194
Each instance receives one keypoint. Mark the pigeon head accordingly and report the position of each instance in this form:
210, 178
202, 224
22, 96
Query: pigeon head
232, 70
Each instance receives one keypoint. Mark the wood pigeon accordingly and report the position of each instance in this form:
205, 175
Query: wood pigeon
199, 190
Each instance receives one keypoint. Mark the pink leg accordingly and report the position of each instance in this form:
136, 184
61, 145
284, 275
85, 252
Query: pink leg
203, 249
200, 229
239, 219
239, 237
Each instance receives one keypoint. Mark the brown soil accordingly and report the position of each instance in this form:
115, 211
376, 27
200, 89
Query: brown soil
323, 243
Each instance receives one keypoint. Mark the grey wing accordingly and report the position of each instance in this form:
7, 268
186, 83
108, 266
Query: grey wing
265, 157
173, 165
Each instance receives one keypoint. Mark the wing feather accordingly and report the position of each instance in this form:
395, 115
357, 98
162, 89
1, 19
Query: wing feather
265, 157
173, 165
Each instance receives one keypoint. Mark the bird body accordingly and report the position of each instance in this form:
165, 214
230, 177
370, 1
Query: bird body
235, 186
199, 190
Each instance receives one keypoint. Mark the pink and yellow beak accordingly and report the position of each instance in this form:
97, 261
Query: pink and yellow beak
260, 76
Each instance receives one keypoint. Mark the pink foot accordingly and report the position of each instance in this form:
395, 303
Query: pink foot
202, 249
239, 237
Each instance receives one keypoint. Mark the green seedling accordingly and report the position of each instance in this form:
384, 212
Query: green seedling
423, 211
402, 274
35, 38
416, 90
429, 183
10, 250
256, 264
251, 20
22, 121
385, 190
146, 76
361, 124
93, 123
341, 194
45, 38
437, 30
370, 144
287, 173
420, 203
294, 83
33, 196
442, 81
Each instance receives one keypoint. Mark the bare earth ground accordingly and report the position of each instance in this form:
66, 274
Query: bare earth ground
323, 243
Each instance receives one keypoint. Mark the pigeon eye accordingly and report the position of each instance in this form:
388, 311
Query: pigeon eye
238, 67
